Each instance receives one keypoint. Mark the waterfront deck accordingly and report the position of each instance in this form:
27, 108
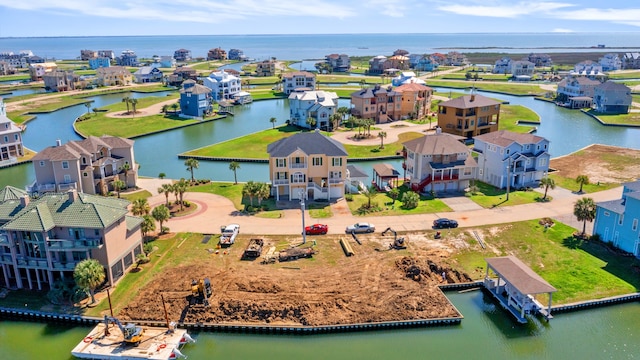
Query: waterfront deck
157, 344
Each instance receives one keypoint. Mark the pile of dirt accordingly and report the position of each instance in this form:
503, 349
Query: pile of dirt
421, 270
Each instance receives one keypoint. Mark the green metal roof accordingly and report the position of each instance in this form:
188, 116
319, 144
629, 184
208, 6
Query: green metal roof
133, 221
11, 193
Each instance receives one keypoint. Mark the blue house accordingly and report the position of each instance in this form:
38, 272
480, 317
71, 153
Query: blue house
425, 63
617, 220
195, 99
99, 62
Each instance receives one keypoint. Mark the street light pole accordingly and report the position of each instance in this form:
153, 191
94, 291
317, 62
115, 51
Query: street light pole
508, 177
304, 233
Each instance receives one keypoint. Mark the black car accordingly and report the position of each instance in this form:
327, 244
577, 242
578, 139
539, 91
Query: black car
443, 223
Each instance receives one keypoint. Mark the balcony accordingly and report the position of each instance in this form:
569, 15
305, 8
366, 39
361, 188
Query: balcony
67, 186
64, 266
298, 166
336, 181
41, 188
280, 182
66, 244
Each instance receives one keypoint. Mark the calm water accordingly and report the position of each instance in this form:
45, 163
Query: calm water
298, 47
485, 333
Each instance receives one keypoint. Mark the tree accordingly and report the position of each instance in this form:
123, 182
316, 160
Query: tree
273, 122
134, 103
181, 187
410, 200
125, 169
127, 101
311, 122
343, 111
335, 120
371, 192
234, 166
140, 207
174, 106
88, 275
191, 164
117, 186
95, 111
368, 123
249, 190
162, 175
166, 189
584, 210
382, 135
161, 214
165, 108
262, 191
547, 182
88, 106
582, 180
148, 225
393, 194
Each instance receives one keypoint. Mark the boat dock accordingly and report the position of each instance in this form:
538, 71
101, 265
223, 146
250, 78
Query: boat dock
158, 343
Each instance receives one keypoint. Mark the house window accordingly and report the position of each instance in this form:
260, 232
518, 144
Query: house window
67, 178
6, 139
606, 213
634, 227
281, 175
621, 219
336, 161
317, 161
84, 160
85, 174
298, 178
41, 163
542, 162
508, 151
16, 137
65, 164
281, 162
467, 171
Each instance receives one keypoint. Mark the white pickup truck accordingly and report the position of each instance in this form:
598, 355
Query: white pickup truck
229, 234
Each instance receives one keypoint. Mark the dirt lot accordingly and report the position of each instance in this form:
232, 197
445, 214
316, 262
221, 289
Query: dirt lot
376, 284
601, 163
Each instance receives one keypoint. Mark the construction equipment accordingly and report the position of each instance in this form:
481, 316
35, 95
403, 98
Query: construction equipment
131, 333
295, 253
200, 292
398, 242
253, 250
228, 234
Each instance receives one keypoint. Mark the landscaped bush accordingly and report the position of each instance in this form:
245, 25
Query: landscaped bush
147, 248
165, 229
364, 209
410, 200
348, 197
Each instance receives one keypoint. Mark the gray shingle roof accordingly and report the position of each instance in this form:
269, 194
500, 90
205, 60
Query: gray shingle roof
613, 205
437, 144
505, 138
309, 142
520, 275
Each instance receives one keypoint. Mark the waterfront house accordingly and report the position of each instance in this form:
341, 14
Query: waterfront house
588, 68
438, 162
107, 53
308, 164
37, 71
376, 65
522, 68
237, 54
182, 55
19, 60
631, 60
6, 68
612, 98
576, 92
127, 58
10, 138
86, 55
43, 239
217, 54
469, 115
114, 76
416, 100
89, 166
99, 62
147, 74
266, 68
406, 77
60, 80
338, 62
195, 99
35, 60
502, 65
381, 104
298, 80
610, 62
180, 74
616, 221
425, 63
439, 58
318, 105
505, 157
455, 58
223, 86
399, 62
164, 61
539, 60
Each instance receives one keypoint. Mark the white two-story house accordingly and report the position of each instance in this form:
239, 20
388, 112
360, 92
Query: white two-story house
308, 164
10, 138
223, 85
508, 157
317, 105
297, 81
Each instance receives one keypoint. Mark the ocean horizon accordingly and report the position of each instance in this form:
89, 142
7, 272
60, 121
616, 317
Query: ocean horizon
316, 46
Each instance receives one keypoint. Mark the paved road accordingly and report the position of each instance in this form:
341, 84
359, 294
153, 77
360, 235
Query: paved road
215, 210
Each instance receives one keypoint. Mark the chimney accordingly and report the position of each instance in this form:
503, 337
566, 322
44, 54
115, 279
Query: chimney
58, 142
73, 195
473, 97
24, 200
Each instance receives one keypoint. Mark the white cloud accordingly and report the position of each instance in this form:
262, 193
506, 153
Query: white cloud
392, 8
621, 16
561, 30
207, 11
503, 9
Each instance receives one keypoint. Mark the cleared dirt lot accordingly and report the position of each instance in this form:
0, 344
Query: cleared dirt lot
601, 163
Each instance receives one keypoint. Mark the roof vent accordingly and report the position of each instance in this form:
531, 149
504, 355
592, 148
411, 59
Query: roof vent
58, 142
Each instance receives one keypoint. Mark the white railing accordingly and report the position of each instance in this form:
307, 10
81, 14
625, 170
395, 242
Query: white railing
298, 166
67, 186
280, 182
9, 161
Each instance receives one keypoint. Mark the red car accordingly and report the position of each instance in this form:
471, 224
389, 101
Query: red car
316, 229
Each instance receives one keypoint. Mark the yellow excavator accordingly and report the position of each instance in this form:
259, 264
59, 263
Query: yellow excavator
131, 333
200, 291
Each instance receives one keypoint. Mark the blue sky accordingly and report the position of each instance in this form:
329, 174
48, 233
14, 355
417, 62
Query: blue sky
221, 17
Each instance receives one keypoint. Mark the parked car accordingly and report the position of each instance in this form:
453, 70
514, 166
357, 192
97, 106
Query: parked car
444, 223
360, 228
316, 229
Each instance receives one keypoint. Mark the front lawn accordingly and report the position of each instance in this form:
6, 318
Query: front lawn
511, 114
388, 207
571, 184
508, 88
488, 196
618, 119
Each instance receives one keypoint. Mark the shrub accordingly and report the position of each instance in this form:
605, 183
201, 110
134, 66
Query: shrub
595, 237
410, 200
348, 197
165, 229
142, 259
148, 248
186, 203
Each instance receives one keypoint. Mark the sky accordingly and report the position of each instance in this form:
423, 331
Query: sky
31, 18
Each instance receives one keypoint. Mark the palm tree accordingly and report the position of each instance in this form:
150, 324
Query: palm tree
125, 169
174, 106
95, 111
368, 123
140, 207
88, 106
263, 190
585, 210
273, 122
181, 187
166, 189
382, 135
233, 166
118, 185
88, 275
335, 120
191, 164
582, 180
249, 190
311, 122
148, 225
547, 182
134, 102
126, 100
394, 194
371, 192
165, 108
161, 214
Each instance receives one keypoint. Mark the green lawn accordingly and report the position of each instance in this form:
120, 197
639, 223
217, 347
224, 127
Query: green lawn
625, 75
144, 194
570, 184
511, 114
231, 191
509, 88
621, 119
489, 196
387, 207
579, 270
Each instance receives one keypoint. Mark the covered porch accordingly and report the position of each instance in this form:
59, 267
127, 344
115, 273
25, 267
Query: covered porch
385, 177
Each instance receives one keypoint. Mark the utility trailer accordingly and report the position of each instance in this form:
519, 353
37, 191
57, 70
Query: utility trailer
253, 250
